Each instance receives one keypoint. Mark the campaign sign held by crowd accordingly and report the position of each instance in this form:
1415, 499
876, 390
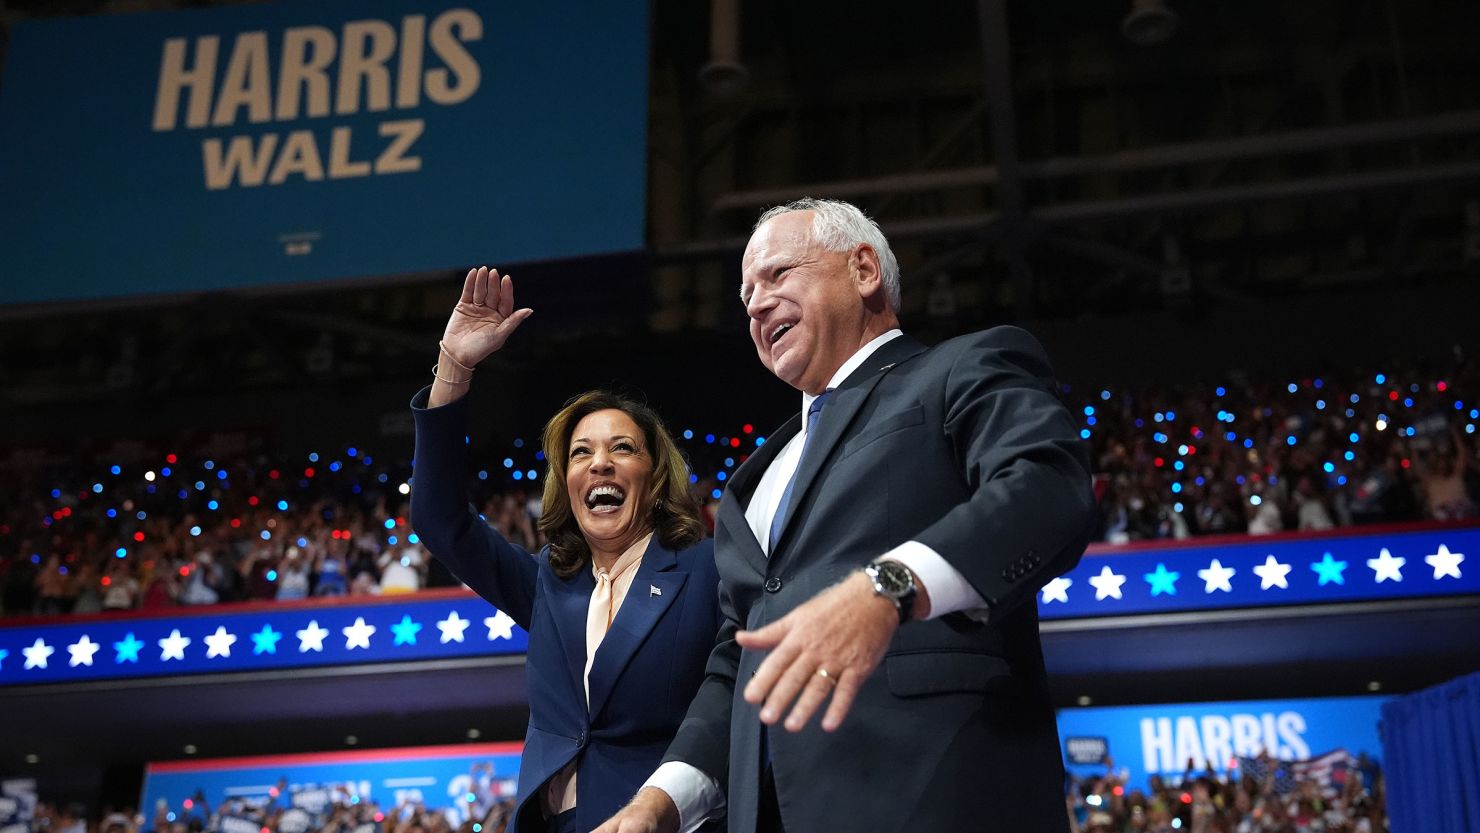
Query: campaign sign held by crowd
17, 804
1086, 750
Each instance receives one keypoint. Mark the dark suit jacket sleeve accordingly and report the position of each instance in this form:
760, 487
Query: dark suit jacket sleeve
1031, 506
703, 739
497, 570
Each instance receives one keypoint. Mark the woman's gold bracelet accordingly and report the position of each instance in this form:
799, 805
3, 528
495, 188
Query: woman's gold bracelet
442, 347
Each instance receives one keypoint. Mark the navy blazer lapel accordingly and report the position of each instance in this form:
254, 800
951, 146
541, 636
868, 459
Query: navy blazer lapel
732, 529
570, 599
748, 476
730, 522
842, 407
654, 588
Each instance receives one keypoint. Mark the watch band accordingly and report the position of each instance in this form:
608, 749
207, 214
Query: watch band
895, 582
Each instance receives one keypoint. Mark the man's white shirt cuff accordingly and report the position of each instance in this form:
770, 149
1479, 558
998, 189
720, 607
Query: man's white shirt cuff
696, 795
950, 592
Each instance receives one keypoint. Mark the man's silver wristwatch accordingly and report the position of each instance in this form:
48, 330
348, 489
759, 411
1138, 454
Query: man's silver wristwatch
895, 582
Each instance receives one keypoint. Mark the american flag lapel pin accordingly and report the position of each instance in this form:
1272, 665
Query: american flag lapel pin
654, 591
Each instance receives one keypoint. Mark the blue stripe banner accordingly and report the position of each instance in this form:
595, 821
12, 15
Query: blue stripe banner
1259, 572
1230, 573
228, 638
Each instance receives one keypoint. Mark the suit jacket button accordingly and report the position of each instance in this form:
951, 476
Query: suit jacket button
773, 585
581, 740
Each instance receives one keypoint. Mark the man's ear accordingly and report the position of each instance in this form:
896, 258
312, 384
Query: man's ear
864, 269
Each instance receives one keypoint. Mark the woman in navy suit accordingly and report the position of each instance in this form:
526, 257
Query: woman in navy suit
621, 607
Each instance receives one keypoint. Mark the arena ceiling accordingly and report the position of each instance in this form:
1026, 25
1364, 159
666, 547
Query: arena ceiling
1032, 162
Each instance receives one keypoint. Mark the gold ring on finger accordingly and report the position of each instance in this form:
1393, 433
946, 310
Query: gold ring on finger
822, 672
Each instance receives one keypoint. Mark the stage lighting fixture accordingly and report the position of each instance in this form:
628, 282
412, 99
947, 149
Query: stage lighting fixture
1150, 22
724, 76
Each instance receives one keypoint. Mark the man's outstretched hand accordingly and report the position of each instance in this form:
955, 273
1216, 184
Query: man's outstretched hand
843, 631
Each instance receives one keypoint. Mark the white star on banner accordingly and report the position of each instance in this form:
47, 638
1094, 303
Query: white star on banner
452, 627
1272, 574
1385, 566
173, 646
1216, 577
500, 626
358, 634
219, 643
1057, 590
1444, 562
311, 638
82, 651
36, 654
1107, 584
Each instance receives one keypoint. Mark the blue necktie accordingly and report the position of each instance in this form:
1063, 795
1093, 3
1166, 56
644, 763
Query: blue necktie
812, 413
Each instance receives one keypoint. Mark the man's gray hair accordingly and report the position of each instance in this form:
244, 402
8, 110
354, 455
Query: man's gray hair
838, 226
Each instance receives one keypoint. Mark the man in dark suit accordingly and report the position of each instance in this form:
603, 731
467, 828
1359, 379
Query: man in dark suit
906, 518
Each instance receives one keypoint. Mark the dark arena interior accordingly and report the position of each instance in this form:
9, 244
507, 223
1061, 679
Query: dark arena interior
1246, 234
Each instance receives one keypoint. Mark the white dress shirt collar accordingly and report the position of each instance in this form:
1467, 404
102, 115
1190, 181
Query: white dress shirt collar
848, 367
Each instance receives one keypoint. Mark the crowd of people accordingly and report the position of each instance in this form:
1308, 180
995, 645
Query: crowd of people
179, 534
1264, 456
1207, 802
489, 811
1265, 800
1243, 456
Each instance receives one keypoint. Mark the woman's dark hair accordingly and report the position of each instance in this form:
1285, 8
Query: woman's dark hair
675, 517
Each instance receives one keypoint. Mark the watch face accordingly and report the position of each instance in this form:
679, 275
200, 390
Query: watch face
894, 578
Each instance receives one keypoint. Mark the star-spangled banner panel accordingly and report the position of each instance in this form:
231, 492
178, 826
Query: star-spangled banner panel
435, 625
1247, 573
1257, 572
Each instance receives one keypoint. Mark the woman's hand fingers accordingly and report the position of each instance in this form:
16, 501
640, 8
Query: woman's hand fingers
505, 296
467, 293
506, 328
484, 317
480, 286
490, 289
